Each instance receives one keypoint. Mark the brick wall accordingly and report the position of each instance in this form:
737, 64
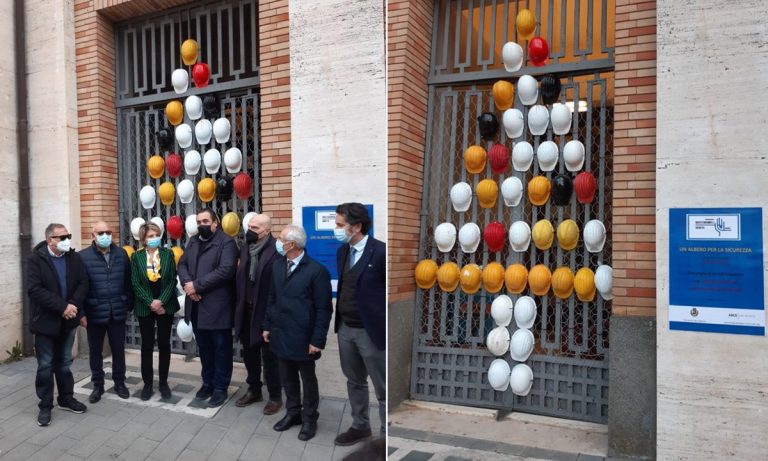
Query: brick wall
634, 140
409, 26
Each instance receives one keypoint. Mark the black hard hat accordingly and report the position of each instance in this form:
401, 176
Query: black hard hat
165, 138
211, 107
562, 189
550, 89
488, 125
224, 188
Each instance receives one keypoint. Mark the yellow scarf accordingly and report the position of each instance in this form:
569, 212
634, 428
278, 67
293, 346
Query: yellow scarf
153, 266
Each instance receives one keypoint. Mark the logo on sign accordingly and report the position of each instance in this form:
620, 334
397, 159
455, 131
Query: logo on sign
694, 312
714, 227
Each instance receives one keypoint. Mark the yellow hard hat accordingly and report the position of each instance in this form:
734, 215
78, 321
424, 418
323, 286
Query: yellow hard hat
474, 159
493, 277
470, 278
487, 193
167, 192
526, 24
584, 283
503, 94
425, 274
516, 278
538, 190
562, 282
174, 112
155, 166
448, 276
539, 279
189, 52
230, 223
568, 234
178, 252
129, 250
206, 189
543, 234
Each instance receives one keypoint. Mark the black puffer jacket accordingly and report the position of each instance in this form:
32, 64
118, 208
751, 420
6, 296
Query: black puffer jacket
110, 294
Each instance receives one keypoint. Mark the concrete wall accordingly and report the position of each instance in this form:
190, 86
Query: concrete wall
712, 82
338, 105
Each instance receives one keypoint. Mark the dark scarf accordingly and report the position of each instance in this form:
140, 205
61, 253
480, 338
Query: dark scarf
254, 249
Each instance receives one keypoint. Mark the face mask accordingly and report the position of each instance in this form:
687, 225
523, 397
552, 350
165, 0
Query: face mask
154, 242
103, 241
64, 245
341, 235
205, 231
279, 247
251, 237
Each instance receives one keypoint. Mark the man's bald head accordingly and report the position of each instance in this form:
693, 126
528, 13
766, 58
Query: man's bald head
261, 224
100, 226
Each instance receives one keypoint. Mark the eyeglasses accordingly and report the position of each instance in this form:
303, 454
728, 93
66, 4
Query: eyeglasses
62, 237
104, 233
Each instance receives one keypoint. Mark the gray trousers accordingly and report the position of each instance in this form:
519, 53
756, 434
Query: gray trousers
360, 359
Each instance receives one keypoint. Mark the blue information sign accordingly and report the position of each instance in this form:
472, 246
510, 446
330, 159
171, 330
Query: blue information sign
319, 222
716, 270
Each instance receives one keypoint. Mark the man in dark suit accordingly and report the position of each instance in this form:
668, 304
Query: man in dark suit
296, 326
57, 284
207, 274
360, 317
253, 279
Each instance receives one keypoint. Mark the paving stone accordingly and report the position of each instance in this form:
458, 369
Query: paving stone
24, 430
132, 380
183, 388
191, 455
289, 447
172, 446
326, 433
341, 452
391, 450
233, 443
139, 450
416, 455
259, 448
126, 436
315, 452
90, 443
456, 458
48, 434
583, 457
207, 438
163, 426
56, 448
21, 452
104, 452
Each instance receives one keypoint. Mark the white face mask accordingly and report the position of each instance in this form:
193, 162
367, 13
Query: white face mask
64, 245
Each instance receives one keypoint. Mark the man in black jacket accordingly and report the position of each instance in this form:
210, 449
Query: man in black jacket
109, 299
57, 285
296, 326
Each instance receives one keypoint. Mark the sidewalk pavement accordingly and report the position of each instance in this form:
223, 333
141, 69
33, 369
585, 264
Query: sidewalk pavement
135, 430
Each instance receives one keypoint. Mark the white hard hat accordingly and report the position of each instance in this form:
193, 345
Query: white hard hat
221, 130
573, 155
561, 118
180, 80
519, 236
212, 161
233, 158
521, 345
527, 90
512, 191
190, 225
512, 56
247, 219
538, 119
181, 299
501, 310
498, 375
594, 236
469, 237
158, 221
514, 123
604, 281
183, 134
548, 155
445, 236
203, 131
147, 197
184, 331
461, 196
186, 191
521, 379
498, 341
522, 156
192, 162
525, 312
194, 107
136, 224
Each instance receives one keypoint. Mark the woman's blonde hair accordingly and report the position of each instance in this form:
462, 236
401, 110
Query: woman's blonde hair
150, 226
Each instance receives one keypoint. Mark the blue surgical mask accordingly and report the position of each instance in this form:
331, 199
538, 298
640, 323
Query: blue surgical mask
103, 241
154, 242
341, 235
279, 247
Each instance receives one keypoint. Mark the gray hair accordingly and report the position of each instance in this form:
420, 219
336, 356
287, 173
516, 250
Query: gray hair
297, 235
52, 227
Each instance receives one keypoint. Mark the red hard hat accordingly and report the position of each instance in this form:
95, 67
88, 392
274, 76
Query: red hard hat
243, 185
499, 157
538, 51
495, 235
201, 74
174, 165
175, 227
585, 186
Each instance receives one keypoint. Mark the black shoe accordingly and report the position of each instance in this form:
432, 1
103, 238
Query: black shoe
44, 417
287, 422
308, 430
147, 392
72, 405
95, 396
352, 436
165, 391
205, 392
217, 399
121, 391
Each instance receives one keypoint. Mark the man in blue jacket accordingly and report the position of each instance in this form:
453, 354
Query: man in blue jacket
57, 285
109, 299
360, 317
207, 274
296, 324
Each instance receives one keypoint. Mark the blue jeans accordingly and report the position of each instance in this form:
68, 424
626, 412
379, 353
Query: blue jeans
115, 331
54, 358
216, 353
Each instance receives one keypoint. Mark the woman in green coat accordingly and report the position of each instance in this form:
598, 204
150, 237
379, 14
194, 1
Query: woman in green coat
153, 276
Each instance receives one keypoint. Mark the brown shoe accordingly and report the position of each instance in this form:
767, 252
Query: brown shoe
272, 407
352, 436
249, 398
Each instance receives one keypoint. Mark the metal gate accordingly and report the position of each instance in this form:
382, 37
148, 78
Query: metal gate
570, 359
147, 52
